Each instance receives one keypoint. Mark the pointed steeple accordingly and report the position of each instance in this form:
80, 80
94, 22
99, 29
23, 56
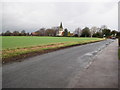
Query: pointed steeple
61, 25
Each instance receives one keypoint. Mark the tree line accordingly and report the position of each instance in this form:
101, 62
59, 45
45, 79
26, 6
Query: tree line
94, 31
15, 33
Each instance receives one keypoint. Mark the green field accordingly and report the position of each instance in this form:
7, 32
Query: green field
20, 46
12, 42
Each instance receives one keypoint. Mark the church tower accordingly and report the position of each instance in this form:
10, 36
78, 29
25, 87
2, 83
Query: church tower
60, 30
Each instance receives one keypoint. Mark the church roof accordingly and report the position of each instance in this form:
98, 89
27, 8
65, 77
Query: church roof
61, 25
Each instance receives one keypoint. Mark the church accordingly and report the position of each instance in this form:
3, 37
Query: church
60, 30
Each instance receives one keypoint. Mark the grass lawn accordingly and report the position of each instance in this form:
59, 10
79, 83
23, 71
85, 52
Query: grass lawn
18, 45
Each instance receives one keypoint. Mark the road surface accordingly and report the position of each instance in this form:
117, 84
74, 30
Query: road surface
51, 70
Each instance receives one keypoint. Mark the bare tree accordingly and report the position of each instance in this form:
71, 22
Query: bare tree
42, 32
23, 33
49, 32
16, 33
56, 30
93, 30
99, 29
77, 32
103, 27
7, 33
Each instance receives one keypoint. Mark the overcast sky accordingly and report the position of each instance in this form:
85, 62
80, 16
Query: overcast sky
31, 16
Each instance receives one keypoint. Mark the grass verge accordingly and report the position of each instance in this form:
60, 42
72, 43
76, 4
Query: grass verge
119, 53
18, 54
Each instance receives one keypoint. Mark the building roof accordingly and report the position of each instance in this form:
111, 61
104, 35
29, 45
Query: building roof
61, 25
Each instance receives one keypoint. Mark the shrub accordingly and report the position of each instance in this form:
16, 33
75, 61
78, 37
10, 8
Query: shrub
119, 41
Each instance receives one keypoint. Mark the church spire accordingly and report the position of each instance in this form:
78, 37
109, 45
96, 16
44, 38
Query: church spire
61, 25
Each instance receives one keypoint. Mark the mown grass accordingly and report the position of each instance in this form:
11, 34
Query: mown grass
18, 46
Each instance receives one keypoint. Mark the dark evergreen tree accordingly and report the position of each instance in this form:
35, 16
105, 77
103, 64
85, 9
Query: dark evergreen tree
106, 32
65, 32
85, 32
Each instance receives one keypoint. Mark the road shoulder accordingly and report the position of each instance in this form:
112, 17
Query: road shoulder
103, 72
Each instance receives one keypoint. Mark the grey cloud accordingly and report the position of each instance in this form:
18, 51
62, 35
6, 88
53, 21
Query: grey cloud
32, 16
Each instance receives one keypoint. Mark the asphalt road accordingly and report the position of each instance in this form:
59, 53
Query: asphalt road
51, 70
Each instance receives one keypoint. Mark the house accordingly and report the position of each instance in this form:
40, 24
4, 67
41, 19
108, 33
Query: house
34, 34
